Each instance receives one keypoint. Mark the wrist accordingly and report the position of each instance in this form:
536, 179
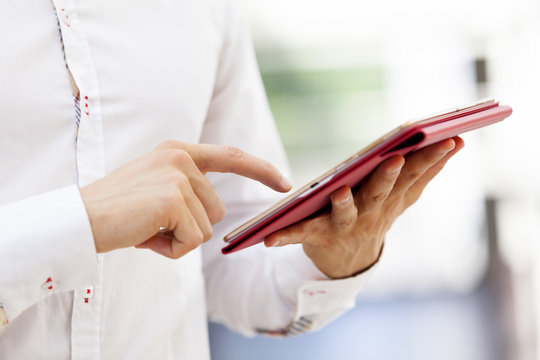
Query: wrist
343, 268
364, 268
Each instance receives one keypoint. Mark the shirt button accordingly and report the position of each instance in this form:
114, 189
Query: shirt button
49, 285
88, 294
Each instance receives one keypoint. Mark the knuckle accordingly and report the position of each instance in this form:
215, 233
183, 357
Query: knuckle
234, 153
412, 176
217, 213
197, 238
207, 234
347, 221
379, 197
190, 242
169, 144
171, 199
173, 204
179, 179
178, 157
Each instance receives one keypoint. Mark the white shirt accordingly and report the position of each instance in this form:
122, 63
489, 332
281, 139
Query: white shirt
145, 72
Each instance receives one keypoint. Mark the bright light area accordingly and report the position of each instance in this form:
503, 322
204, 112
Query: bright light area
464, 260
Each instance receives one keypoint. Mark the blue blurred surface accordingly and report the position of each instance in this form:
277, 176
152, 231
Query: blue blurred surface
435, 328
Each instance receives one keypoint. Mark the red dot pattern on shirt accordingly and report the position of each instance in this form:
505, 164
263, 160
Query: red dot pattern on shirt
49, 279
314, 292
66, 17
87, 112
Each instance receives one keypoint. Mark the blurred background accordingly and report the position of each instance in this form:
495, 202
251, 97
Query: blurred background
460, 277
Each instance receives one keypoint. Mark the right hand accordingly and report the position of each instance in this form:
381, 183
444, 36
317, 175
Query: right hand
166, 189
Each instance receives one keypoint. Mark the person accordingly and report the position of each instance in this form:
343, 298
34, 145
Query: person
137, 117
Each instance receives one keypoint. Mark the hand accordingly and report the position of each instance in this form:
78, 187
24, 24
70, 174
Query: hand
166, 189
349, 238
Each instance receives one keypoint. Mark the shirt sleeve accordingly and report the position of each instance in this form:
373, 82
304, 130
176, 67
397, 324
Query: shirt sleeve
46, 247
279, 290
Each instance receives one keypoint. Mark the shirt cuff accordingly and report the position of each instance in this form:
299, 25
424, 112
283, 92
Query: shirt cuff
317, 298
46, 247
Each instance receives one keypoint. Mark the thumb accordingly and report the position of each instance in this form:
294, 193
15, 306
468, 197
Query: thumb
288, 236
165, 245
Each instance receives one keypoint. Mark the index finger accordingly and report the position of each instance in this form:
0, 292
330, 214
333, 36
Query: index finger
228, 159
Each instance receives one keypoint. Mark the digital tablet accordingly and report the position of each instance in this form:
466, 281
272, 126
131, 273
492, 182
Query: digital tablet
406, 138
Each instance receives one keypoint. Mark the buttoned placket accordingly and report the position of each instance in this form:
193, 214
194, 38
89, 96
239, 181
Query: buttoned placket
85, 325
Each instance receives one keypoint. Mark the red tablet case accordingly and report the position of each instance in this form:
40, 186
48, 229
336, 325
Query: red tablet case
405, 139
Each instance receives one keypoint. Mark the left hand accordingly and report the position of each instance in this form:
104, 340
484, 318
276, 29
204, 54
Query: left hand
349, 238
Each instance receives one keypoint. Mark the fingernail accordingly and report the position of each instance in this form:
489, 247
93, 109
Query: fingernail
276, 243
395, 170
444, 152
286, 182
344, 201
447, 150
